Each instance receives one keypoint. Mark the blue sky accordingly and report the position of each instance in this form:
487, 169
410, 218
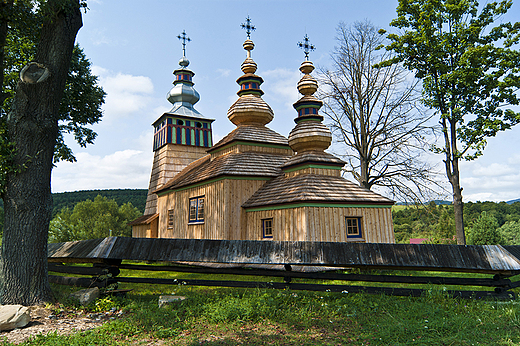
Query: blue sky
134, 49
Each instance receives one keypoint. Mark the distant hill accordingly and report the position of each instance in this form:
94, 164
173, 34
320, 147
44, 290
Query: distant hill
69, 199
513, 201
436, 201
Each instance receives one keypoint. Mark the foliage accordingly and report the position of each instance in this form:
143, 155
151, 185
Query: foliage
93, 219
436, 222
223, 316
470, 74
510, 232
80, 106
137, 197
82, 96
484, 231
375, 117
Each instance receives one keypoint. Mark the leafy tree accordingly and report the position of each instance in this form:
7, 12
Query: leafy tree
484, 231
374, 115
470, 74
510, 232
31, 123
99, 218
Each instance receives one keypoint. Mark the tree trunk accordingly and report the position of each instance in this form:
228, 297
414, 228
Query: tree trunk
33, 126
4, 8
453, 173
458, 208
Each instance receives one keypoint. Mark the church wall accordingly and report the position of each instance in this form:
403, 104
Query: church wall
140, 231
168, 161
322, 224
224, 217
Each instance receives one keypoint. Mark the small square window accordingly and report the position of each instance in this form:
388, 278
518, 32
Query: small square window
353, 226
171, 217
267, 228
196, 209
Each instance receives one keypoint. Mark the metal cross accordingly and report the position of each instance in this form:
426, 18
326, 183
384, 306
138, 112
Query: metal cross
248, 27
306, 46
183, 38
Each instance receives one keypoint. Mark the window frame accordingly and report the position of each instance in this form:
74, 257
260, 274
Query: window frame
199, 211
353, 236
264, 227
171, 219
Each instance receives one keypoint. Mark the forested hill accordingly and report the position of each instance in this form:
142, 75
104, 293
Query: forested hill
69, 199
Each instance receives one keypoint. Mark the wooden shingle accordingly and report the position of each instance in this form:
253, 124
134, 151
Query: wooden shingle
313, 188
248, 164
255, 133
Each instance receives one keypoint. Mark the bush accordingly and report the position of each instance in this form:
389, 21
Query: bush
484, 231
99, 218
510, 232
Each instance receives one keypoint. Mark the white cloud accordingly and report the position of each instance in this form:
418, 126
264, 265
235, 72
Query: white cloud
121, 169
492, 182
514, 159
281, 84
223, 73
494, 169
126, 94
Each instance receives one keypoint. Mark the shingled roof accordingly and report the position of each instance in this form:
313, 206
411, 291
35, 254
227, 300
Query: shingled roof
311, 157
144, 220
236, 164
252, 133
313, 188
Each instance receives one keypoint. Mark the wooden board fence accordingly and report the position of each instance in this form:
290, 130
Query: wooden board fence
107, 255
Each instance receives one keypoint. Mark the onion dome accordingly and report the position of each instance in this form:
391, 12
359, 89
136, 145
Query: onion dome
183, 94
250, 108
309, 132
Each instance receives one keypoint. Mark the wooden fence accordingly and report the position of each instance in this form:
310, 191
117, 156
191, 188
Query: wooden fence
253, 258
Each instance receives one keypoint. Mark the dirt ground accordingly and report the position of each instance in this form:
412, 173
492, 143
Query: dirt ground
44, 321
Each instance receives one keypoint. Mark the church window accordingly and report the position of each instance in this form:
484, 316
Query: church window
267, 228
171, 218
180, 122
196, 209
353, 225
197, 124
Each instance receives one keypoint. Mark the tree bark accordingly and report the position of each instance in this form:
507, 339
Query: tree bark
453, 174
4, 8
33, 126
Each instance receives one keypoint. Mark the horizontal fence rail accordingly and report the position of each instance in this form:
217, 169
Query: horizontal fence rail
224, 256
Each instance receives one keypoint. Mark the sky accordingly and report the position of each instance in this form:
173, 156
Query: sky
133, 48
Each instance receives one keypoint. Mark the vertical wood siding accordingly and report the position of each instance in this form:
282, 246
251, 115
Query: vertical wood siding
224, 217
321, 224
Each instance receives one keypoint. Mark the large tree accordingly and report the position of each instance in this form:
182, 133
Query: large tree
375, 117
31, 125
470, 75
89, 219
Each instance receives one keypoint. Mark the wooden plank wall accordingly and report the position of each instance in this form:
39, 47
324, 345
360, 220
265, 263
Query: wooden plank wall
470, 258
322, 224
140, 231
224, 217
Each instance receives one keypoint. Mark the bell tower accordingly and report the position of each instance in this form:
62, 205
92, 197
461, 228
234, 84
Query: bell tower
181, 136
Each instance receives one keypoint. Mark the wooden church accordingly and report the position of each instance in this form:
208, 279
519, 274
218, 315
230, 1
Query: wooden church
254, 184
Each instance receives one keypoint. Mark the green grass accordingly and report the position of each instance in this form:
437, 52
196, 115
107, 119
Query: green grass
227, 316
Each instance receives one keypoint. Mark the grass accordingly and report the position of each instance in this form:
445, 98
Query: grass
229, 316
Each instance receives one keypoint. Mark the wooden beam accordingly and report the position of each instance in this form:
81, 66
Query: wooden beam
491, 259
501, 294
328, 276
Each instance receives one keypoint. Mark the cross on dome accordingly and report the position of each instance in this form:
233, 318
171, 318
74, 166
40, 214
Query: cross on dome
248, 27
183, 38
306, 46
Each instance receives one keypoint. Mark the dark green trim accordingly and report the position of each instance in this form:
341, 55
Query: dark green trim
256, 92
316, 204
207, 182
255, 144
288, 170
